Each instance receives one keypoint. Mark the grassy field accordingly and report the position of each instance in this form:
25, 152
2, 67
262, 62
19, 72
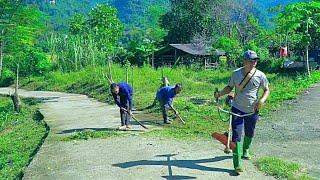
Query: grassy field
195, 103
21, 135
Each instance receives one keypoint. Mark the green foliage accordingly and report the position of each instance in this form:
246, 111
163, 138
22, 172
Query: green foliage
7, 77
90, 42
145, 39
19, 37
187, 19
302, 20
232, 48
38, 62
20, 137
105, 26
78, 25
130, 11
60, 12
281, 169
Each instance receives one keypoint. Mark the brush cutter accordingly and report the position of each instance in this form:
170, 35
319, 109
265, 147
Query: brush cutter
226, 137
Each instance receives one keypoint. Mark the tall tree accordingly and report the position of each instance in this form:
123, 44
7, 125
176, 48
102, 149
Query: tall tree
20, 26
105, 27
145, 39
187, 19
303, 20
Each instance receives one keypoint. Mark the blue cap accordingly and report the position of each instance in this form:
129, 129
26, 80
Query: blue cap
250, 55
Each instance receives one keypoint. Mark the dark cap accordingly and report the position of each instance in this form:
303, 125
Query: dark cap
250, 55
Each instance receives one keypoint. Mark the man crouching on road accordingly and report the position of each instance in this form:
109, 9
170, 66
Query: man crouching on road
122, 94
165, 96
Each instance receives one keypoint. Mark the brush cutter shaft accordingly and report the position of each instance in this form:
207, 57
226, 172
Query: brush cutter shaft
179, 117
232, 113
177, 114
229, 133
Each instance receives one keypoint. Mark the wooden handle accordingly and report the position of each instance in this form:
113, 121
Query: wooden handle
181, 119
134, 118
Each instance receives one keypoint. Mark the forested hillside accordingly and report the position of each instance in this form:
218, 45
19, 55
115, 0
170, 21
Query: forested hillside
130, 11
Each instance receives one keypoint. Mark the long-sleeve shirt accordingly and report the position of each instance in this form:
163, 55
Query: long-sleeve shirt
166, 95
125, 94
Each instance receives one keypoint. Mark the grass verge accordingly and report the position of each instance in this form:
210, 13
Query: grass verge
282, 169
21, 136
85, 135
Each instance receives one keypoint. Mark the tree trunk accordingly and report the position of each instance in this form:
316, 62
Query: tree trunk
15, 96
110, 69
307, 60
1, 52
307, 53
1, 56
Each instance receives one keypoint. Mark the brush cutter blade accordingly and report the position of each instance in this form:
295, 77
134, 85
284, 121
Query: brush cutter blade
223, 139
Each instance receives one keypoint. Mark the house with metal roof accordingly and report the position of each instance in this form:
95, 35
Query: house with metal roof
185, 54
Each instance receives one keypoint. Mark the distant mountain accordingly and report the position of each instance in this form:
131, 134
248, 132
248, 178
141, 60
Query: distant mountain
61, 11
130, 10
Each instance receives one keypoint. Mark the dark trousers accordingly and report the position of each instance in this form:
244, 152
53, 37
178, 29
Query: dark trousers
125, 117
164, 111
249, 123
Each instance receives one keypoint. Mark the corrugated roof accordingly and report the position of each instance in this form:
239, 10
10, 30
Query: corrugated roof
193, 49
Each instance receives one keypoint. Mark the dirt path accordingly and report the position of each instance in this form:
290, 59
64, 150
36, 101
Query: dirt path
130, 157
293, 132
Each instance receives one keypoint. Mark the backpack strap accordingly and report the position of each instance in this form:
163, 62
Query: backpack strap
246, 79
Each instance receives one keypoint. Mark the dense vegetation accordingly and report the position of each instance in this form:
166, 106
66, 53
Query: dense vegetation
21, 136
97, 36
130, 12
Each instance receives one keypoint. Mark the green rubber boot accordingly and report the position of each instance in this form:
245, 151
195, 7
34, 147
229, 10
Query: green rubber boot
246, 145
237, 159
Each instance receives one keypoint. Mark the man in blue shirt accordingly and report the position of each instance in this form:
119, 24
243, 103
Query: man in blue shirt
165, 96
122, 94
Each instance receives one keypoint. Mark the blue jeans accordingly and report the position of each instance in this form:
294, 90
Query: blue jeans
249, 123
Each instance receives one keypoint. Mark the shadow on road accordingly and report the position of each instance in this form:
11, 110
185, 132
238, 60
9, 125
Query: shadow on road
189, 164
